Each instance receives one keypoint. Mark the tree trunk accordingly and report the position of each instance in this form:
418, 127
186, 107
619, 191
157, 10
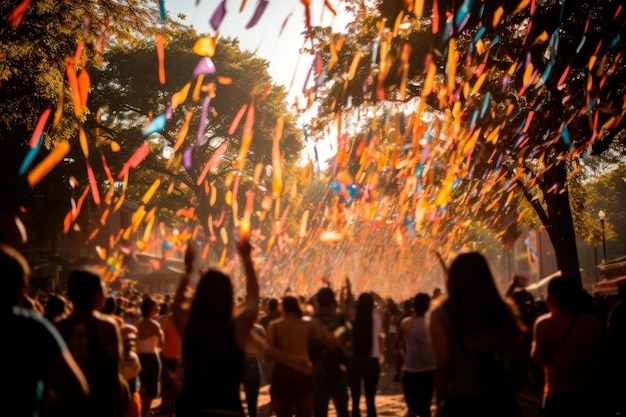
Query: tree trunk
558, 219
561, 225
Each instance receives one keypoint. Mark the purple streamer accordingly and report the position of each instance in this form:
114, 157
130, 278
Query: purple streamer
203, 117
260, 8
284, 24
187, 157
218, 16
205, 66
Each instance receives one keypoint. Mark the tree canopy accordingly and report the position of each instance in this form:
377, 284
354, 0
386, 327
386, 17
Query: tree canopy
501, 94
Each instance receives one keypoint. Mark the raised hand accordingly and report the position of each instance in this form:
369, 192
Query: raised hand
245, 248
190, 256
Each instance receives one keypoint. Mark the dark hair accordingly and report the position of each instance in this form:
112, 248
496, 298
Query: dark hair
210, 330
83, 285
325, 297
564, 290
163, 307
363, 324
292, 305
272, 304
147, 305
55, 307
473, 301
15, 274
109, 305
421, 303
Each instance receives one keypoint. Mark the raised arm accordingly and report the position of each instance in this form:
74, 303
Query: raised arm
517, 282
246, 319
182, 298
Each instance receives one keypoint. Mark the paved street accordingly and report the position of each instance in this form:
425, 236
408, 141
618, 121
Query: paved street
390, 400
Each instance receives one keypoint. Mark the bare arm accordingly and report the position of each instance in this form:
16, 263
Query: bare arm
323, 334
441, 346
516, 283
246, 319
399, 343
268, 351
182, 300
539, 347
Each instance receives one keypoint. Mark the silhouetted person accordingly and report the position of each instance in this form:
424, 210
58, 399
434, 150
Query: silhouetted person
616, 326
365, 367
568, 344
95, 342
418, 376
330, 378
214, 339
292, 389
475, 335
272, 313
148, 344
36, 355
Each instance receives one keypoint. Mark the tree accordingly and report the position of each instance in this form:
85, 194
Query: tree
608, 193
128, 97
35, 50
522, 90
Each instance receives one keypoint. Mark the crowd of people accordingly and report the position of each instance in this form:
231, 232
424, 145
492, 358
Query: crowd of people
466, 350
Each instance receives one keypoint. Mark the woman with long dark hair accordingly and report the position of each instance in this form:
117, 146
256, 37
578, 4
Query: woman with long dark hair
365, 365
214, 339
475, 334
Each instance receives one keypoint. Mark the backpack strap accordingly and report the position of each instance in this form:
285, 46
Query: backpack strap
562, 339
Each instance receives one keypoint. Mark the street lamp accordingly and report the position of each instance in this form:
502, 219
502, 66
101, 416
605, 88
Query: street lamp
602, 216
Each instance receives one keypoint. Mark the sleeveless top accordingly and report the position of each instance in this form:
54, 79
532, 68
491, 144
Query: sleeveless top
419, 351
148, 345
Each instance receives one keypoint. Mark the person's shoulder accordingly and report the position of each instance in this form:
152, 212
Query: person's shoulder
35, 326
405, 321
542, 321
28, 317
106, 321
437, 313
590, 321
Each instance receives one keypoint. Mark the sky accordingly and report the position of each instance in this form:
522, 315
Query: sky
282, 50
265, 38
